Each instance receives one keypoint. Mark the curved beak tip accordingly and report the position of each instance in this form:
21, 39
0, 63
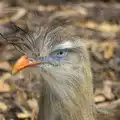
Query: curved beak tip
22, 63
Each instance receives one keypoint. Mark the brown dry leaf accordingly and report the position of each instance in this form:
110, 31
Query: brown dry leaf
103, 27
108, 48
4, 77
99, 98
108, 90
34, 106
5, 65
4, 87
2, 117
33, 103
20, 12
90, 24
24, 114
109, 52
3, 106
46, 8
106, 27
4, 20
112, 75
21, 97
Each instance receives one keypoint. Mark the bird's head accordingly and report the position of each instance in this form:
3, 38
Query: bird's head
60, 59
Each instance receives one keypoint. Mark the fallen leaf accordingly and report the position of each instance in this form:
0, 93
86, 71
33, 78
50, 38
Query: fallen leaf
24, 114
4, 87
3, 106
109, 52
5, 65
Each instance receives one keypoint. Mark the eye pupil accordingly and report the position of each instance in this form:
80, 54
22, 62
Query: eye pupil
60, 53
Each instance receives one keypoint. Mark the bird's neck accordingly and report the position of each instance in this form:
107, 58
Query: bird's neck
52, 108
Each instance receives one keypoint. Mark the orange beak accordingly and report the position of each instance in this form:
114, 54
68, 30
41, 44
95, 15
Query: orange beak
22, 63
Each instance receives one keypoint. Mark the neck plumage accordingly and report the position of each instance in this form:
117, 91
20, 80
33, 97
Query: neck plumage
52, 107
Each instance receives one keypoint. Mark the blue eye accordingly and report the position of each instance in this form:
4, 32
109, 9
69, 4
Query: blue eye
57, 56
61, 53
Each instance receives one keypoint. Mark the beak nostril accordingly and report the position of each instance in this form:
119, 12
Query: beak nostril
31, 59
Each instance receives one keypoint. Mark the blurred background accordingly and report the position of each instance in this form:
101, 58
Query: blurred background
98, 22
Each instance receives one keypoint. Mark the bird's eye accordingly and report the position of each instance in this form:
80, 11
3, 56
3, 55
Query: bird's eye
61, 53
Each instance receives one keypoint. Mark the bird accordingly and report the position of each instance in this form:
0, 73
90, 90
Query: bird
63, 67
